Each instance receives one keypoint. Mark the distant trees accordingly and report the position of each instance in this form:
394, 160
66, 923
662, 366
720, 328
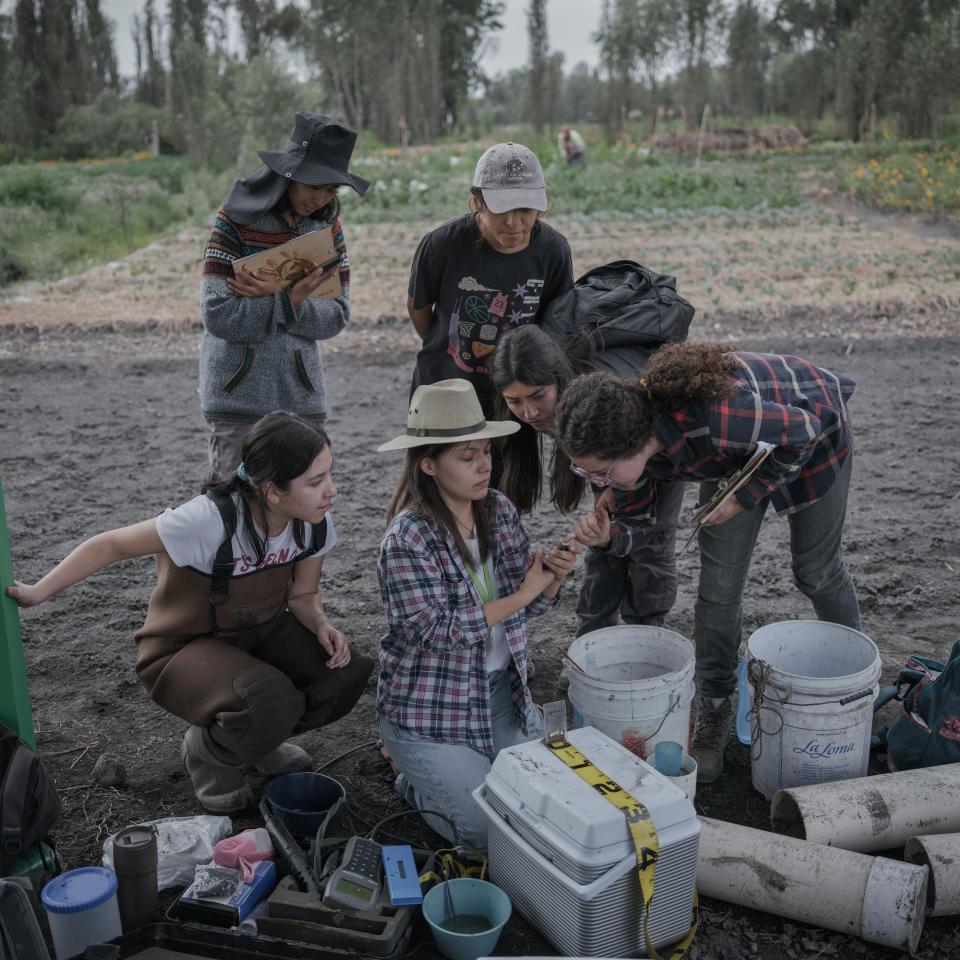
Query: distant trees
57, 53
538, 77
378, 61
414, 68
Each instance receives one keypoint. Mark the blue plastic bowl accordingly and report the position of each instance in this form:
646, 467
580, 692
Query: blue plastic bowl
301, 800
468, 896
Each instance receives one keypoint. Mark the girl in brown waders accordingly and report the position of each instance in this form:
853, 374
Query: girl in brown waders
236, 640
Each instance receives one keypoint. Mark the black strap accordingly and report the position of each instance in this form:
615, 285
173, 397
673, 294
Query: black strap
319, 537
13, 792
219, 591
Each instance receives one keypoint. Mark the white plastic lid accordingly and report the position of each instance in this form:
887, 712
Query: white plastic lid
78, 890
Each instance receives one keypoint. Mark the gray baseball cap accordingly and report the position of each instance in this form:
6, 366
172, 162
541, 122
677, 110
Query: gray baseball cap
509, 176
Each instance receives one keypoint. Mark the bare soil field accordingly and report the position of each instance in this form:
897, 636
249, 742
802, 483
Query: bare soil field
101, 428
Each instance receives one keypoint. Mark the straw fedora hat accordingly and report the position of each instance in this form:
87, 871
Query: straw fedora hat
447, 412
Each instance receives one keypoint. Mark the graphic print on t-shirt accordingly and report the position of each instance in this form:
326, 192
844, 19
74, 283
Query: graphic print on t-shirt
480, 315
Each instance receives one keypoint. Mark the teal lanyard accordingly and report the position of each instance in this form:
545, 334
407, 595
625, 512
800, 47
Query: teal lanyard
485, 589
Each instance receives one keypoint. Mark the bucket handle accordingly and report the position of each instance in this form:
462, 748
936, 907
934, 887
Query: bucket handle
673, 706
856, 696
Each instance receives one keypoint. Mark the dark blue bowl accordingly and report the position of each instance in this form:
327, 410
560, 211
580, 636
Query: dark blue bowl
301, 800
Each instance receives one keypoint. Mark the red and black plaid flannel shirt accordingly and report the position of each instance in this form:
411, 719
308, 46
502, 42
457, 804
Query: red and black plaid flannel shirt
783, 400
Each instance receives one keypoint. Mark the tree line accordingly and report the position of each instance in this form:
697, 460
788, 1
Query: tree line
412, 69
856, 60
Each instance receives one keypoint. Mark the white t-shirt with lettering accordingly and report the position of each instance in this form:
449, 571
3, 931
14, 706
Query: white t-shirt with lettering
192, 534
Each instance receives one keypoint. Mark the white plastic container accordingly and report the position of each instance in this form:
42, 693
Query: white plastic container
82, 909
564, 854
635, 685
817, 683
686, 779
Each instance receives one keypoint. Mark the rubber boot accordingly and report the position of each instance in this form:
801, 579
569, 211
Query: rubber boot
219, 787
287, 758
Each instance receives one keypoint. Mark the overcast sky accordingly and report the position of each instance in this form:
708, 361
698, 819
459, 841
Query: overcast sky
569, 22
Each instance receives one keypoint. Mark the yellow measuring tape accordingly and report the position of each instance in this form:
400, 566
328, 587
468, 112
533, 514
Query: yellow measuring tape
642, 831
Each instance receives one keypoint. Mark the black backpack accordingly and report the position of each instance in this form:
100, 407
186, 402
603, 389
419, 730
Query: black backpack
626, 309
29, 802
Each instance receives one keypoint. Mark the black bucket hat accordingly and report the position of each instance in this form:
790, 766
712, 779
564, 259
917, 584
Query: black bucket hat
317, 152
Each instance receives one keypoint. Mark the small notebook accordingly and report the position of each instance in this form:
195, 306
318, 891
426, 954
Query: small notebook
291, 261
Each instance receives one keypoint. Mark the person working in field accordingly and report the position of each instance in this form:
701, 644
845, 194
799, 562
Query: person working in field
487, 271
698, 414
259, 349
236, 641
458, 581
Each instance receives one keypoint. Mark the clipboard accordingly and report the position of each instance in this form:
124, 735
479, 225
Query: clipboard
292, 261
727, 487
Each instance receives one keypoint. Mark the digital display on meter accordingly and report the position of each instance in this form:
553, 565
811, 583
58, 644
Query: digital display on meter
355, 884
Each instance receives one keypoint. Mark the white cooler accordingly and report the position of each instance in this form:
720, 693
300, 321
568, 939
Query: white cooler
564, 854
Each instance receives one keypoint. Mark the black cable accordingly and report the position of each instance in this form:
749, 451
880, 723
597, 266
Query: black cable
407, 813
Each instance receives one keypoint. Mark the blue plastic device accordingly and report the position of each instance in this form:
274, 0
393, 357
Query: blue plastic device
403, 881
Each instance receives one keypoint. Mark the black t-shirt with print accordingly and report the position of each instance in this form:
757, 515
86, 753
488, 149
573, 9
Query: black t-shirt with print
479, 294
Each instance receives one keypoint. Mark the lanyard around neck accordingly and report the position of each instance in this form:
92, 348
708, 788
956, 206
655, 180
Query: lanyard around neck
485, 589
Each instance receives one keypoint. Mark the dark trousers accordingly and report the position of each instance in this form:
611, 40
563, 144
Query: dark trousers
641, 587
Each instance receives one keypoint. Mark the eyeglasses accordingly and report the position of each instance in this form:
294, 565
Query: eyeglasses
597, 479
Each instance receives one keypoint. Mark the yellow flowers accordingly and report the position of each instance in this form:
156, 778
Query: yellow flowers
907, 179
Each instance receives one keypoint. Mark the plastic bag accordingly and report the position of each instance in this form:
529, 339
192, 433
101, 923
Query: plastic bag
210, 880
182, 843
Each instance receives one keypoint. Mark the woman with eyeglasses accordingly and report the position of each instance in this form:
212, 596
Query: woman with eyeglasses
698, 414
530, 370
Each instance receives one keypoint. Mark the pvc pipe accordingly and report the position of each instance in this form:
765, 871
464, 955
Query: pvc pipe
881, 901
871, 813
941, 853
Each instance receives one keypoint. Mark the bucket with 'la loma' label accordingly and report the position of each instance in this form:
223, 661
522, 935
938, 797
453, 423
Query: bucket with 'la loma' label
812, 685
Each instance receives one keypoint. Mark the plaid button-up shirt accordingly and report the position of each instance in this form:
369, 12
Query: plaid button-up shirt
433, 676
783, 400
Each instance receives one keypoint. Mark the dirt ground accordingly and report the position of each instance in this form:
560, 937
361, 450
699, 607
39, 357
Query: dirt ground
101, 428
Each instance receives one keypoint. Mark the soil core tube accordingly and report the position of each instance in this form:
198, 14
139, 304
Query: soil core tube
871, 813
879, 900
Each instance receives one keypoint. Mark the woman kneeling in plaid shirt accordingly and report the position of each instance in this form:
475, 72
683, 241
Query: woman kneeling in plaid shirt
457, 580
698, 414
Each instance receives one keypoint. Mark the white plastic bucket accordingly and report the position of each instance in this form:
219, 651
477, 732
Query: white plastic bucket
635, 684
817, 684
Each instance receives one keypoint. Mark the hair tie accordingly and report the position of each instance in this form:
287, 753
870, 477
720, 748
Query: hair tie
242, 473
643, 383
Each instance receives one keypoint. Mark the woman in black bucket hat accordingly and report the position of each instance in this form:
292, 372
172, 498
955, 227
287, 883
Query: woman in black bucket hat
259, 349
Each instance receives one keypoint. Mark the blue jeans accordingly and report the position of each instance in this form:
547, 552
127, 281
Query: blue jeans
819, 572
443, 776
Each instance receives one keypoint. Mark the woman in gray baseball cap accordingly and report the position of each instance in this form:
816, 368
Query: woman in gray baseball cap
487, 271
259, 350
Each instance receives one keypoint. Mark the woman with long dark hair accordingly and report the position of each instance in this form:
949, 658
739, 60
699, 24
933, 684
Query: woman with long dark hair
458, 581
259, 349
698, 414
236, 641
530, 371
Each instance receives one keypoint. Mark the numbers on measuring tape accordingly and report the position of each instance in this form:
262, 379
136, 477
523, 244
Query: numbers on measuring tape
648, 857
636, 813
641, 828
